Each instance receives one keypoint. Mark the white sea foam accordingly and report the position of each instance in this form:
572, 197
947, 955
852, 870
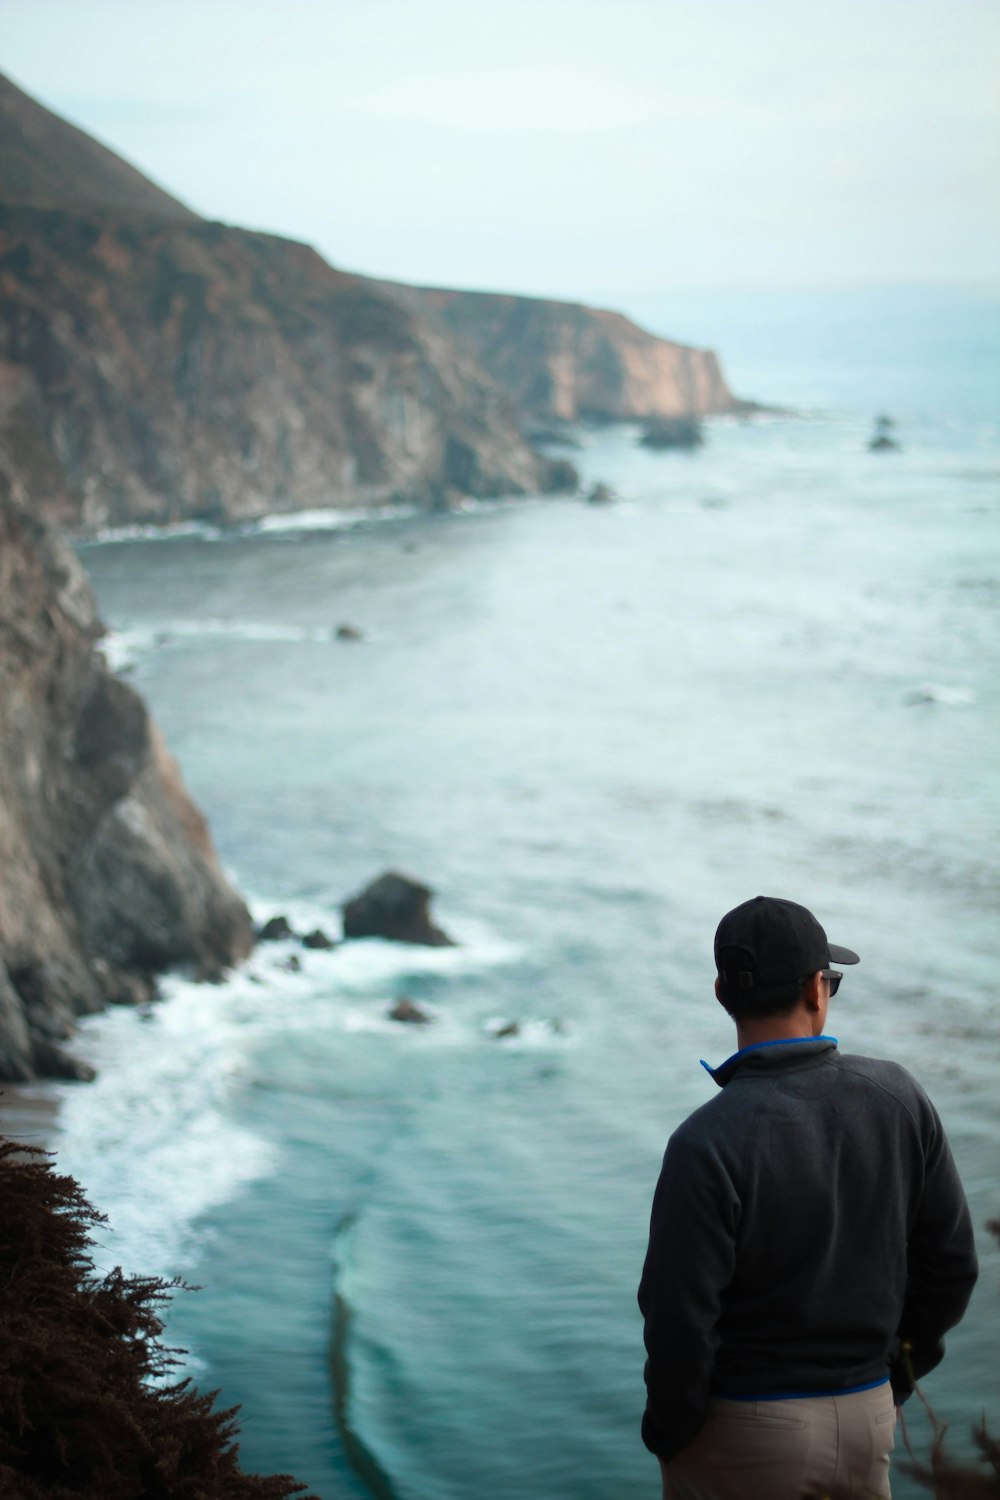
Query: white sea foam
179, 529
239, 630
151, 1140
327, 520
123, 648
940, 692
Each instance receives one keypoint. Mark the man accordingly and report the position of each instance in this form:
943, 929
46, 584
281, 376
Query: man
810, 1242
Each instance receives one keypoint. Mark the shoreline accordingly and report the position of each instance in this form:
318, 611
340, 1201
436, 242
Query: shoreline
29, 1115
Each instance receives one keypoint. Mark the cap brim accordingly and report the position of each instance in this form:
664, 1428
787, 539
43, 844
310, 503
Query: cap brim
843, 955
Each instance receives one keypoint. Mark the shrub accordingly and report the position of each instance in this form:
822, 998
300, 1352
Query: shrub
948, 1478
87, 1410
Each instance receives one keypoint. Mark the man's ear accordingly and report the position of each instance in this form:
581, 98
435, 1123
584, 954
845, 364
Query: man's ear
812, 991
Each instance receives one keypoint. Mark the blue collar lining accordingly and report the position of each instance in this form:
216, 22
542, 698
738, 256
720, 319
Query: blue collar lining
779, 1041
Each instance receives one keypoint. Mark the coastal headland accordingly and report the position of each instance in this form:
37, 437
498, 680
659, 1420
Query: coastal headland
158, 368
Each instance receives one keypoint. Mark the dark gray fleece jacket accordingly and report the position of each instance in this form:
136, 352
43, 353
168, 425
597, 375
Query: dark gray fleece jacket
807, 1225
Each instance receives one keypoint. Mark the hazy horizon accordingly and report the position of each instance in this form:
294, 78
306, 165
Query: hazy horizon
556, 150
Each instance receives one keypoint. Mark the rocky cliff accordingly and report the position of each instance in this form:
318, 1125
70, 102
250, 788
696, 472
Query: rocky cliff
561, 361
155, 367
152, 372
107, 871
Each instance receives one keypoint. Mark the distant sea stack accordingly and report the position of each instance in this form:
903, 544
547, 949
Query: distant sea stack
561, 361
156, 368
107, 871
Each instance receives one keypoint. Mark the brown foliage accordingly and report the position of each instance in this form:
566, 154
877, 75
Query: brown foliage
85, 1410
948, 1478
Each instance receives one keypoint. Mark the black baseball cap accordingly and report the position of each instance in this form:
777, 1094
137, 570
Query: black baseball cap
768, 941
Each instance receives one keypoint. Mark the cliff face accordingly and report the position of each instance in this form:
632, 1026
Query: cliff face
107, 871
152, 372
155, 367
562, 361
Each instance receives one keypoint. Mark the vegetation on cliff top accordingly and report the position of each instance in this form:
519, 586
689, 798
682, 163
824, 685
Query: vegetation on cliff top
87, 1410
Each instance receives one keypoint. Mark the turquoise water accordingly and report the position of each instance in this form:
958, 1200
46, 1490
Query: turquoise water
771, 666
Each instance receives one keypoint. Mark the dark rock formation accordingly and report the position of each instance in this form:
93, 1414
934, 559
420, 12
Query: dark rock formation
563, 362
601, 494
673, 432
563, 477
155, 367
507, 1029
396, 907
275, 930
107, 871
407, 1011
882, 440
318, 940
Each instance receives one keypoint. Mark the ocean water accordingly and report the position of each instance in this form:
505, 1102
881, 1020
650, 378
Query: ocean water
771, 666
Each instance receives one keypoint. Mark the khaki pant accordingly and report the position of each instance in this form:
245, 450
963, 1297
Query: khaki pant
813, 1448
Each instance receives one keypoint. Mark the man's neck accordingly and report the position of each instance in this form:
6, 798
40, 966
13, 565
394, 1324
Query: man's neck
798, 1023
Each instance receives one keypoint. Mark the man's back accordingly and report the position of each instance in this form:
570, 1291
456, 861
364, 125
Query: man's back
814, 1171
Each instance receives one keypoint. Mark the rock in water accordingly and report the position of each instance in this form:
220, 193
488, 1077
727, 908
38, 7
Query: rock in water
673, 432
275, 930
396, 907
318, 939
107, 871
407, 1011
507, 1029
882, 440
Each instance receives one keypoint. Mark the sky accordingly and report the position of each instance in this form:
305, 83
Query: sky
573, 148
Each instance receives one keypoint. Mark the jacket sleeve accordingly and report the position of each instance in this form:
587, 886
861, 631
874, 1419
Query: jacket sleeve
940, 1261
689, 1263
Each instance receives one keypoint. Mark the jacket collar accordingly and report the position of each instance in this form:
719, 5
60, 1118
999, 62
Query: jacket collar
766, 1055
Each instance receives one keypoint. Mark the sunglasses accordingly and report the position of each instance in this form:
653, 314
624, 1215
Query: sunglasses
833, 978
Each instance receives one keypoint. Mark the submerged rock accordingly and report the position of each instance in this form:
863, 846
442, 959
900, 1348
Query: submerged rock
882, 440
407, 1011
601, 494
348, 633
318, 939
508, 1029
395, 907
561, 477
673, 432
275, 930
